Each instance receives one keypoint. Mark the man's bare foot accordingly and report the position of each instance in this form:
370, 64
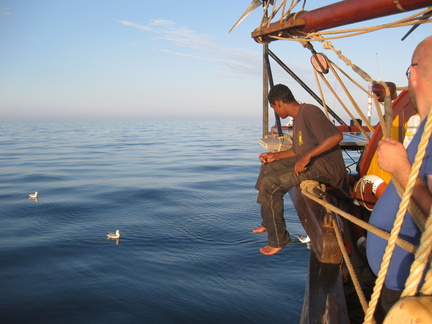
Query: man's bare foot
260, 229
268, 250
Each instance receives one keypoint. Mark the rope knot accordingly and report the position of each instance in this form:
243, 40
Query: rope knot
313, 187
327, 44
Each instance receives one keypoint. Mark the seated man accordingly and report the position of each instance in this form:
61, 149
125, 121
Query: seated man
315, 155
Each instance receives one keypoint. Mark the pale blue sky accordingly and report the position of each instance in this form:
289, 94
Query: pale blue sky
143, 60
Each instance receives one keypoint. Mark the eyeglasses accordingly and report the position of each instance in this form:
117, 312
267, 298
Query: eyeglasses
408, 71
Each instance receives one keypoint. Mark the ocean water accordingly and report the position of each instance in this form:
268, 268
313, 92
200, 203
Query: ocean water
182, 195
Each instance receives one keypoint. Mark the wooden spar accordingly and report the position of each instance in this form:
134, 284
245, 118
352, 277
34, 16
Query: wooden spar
335, 15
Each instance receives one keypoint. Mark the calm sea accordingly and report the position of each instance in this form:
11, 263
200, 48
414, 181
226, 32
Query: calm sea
182, 195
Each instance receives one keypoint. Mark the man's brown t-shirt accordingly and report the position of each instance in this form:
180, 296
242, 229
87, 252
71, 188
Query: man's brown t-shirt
311, 127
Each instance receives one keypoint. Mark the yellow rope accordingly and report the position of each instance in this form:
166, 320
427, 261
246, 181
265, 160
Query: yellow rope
275, 10
386, 126
357, 108
342, 104
378, 107
422, 259
351, 79
350, 266
321, 93
423, 254
386, 132
427, 287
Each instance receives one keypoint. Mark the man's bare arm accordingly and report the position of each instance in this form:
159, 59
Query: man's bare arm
322, 147
273, 156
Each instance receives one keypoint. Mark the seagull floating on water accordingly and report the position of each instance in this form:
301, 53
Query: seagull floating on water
34, 196
303, 239
115, 235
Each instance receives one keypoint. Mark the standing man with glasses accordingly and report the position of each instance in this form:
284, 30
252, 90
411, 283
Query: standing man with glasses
393, 158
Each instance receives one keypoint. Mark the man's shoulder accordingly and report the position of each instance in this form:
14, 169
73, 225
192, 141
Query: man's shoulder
314, 115
310, 109
309, 106
306, 110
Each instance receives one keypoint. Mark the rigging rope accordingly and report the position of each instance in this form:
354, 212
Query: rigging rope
350, 266
322, 94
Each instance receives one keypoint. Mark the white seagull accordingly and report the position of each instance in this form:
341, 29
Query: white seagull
303, 239
34, 196
114, 236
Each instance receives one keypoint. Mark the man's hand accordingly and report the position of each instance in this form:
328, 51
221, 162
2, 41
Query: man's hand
301, 164
392, 157
267, 157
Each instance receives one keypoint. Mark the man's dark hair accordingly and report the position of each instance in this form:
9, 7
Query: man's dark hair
280, 92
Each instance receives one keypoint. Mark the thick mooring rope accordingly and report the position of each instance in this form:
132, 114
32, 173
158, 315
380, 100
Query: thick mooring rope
427, 286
